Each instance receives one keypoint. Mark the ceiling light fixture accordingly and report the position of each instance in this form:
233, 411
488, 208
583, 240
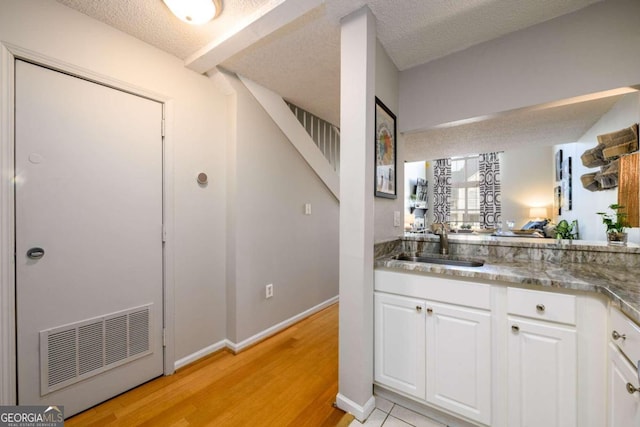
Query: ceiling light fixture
195, 12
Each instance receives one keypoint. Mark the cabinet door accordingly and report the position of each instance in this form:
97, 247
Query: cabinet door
542, 367
459, 360
400, 343
624, 408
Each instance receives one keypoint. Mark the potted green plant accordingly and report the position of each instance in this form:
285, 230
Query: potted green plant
564, 230
616, 223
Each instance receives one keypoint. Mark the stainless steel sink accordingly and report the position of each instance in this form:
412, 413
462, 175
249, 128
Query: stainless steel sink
445, 260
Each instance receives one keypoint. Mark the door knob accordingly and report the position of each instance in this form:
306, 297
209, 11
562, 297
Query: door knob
35, 253
631, 388
616, 336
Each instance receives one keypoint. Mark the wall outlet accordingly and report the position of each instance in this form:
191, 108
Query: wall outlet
307, 208
268, 290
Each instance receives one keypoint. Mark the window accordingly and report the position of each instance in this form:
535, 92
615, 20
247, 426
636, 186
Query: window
465, 191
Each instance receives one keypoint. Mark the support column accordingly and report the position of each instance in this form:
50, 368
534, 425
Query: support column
357, 100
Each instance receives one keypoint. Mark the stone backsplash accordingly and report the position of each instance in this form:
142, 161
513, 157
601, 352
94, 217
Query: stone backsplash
516, 249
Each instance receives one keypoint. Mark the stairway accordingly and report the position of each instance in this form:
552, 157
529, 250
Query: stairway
317, 141
325, 135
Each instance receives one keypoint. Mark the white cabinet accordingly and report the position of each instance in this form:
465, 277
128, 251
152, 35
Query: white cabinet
624, 407
542, 359
400, 343
459, 360
624, 375
435, 351
501, 356
541, 374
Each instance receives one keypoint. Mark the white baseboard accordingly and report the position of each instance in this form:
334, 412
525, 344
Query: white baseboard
360, 412
281, 326
200, 354
236, 347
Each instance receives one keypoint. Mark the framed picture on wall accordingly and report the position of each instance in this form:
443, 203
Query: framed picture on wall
557, 200
385, 149
558, 165
567, 190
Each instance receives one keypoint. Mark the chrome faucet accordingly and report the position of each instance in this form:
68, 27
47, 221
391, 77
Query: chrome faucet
444, 239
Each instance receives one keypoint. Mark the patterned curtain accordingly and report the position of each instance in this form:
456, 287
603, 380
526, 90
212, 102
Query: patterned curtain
490, 205
441, 190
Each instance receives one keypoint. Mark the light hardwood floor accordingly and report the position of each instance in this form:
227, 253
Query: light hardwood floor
291, 379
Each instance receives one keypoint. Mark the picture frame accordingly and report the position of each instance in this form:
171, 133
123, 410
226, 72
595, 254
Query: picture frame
385, 151
559, 165
567, 190
557, 200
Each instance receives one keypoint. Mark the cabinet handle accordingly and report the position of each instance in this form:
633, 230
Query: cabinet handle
631, 389
418, 308
616, 336
540, 308
515, 328
430, 310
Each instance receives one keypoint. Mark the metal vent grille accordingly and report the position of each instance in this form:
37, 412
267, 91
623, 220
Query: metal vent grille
138, 332
77, 351
91, 344
62, 354
116, 331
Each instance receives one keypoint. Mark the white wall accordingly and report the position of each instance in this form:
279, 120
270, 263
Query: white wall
270, 238
387, 92
587, 51
586, 203
527, 181
198, 133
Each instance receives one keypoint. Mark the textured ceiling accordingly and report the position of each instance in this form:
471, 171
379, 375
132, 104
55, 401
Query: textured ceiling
524, 127
152, 22
301, 61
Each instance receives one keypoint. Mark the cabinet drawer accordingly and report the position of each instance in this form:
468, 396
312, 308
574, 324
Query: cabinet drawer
542, 305
625, 327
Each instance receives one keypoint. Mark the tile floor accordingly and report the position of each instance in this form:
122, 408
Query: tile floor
388, 414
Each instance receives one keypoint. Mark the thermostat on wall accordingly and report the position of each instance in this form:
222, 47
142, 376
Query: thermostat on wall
202, 178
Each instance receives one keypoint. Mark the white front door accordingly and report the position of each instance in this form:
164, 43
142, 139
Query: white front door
89, 256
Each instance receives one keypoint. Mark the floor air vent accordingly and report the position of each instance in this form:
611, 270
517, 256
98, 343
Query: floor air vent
74, 352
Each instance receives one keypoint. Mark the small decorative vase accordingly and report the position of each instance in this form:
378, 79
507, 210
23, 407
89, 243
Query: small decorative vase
617, 238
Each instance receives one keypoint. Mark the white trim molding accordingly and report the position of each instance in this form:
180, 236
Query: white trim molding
360, 412
7, 236
168, 205
193, 357
238, 347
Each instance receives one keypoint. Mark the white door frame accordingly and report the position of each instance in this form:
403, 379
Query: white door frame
8, 54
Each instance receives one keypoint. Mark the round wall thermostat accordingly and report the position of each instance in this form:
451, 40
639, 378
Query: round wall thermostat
202, 178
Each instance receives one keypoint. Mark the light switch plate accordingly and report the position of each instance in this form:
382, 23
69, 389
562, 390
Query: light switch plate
307, 208
396, 219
